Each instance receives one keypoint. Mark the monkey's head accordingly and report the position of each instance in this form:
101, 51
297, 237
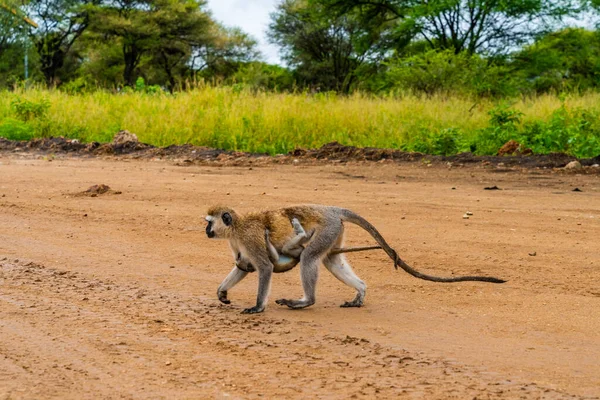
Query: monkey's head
221, 221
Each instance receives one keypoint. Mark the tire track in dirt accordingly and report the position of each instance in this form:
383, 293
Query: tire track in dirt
63, 334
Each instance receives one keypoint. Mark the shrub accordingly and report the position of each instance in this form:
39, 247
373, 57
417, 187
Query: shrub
445, 72
28, 110
15, 129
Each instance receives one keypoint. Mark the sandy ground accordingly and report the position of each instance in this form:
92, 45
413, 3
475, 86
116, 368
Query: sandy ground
114, 296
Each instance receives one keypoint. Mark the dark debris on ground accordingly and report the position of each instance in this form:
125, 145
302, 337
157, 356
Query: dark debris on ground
129, 147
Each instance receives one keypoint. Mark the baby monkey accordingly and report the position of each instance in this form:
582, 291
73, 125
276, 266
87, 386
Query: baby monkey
290, 252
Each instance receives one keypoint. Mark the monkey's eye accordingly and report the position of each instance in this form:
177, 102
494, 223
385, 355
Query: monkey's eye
226, 217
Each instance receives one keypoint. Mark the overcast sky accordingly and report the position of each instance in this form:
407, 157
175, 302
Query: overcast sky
250, 15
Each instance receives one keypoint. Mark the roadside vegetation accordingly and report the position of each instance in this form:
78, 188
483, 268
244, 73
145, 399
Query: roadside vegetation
257, 121
435, 76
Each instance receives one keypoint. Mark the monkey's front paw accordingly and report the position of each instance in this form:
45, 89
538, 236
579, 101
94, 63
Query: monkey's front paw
253, 310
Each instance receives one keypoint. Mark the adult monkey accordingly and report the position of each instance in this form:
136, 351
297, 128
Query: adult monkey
246, 235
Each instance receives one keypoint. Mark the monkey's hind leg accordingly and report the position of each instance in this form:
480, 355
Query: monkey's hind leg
310, 260
339, 267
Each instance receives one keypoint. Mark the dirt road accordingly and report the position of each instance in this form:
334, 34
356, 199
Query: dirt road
113, 296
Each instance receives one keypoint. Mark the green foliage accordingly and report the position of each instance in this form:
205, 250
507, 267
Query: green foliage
140, 84
474, 26
447, 72
27, 110
60, 24
161, 31
566, 60
78, 85
503, 126
444, 142
238, 118
327, 52
573, 131
15, 129
257, 75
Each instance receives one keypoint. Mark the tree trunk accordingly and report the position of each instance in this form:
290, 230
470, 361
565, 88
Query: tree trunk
131, 56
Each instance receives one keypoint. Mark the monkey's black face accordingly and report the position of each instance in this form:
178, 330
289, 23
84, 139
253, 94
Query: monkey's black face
209, 231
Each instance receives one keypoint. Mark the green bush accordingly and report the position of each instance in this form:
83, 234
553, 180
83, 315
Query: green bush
575, 132
567, 60
445, 72
27, 110
14, 129
445, 142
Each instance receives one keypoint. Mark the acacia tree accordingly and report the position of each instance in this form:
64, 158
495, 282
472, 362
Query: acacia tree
175, 35
60, 24
182, 26
327, 51
475, 26
129, 22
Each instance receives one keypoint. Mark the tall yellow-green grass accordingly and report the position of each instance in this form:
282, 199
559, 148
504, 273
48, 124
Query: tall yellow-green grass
224, 118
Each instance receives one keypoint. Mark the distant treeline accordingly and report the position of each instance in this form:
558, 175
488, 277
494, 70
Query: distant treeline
480, 48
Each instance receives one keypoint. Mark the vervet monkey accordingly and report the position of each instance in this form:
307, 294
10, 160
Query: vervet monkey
246, 235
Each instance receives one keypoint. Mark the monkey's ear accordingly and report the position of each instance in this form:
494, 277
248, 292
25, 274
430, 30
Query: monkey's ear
226, 217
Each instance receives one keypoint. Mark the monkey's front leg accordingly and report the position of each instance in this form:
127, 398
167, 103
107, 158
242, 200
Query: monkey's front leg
234, 277
265, 271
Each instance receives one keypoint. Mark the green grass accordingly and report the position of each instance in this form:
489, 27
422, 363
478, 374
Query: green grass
226, 118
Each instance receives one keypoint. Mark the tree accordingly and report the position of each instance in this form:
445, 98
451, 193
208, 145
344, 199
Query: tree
182, 26
129, 22
61, 23
13, 24
563, 60
260, 75
328, 52
475, 26
224, 53
11, 27
444, 72
11, 49
173, 35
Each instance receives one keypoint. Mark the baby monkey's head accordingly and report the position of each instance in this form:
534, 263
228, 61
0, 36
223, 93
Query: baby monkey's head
220, 222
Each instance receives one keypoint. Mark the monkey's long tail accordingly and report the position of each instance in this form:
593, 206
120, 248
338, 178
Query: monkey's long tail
356, 219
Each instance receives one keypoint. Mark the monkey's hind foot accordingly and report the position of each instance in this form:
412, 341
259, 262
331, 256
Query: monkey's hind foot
357, 302
253, 310
294, 304
353, 303
298, 229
